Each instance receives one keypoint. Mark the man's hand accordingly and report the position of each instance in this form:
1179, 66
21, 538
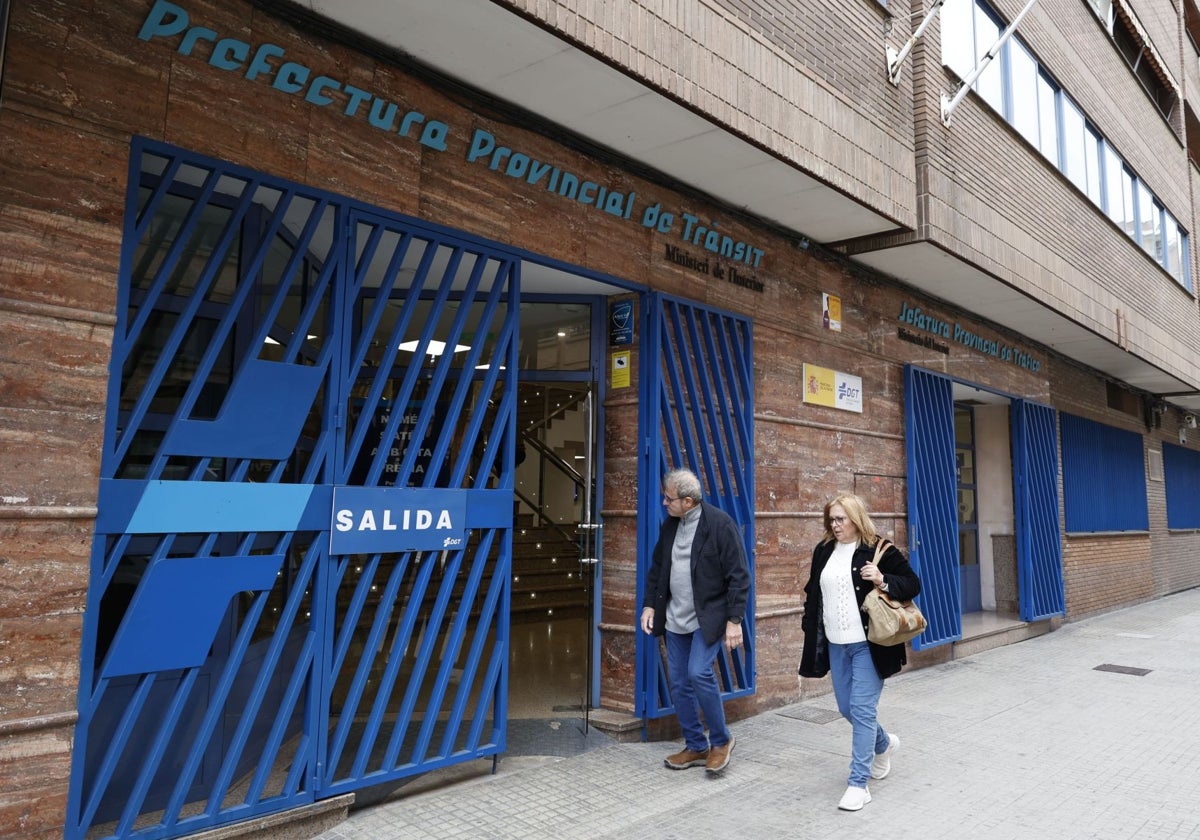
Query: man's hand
733, 635
648, 620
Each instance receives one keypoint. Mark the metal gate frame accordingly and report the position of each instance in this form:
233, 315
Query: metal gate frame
209, 704
932, 505
932, 502
1035, 485
697, 412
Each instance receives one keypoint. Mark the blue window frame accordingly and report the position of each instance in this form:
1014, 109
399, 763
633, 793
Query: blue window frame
1104, 477
1181, 471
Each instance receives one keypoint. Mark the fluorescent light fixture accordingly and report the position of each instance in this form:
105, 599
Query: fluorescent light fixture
269, 340
436, 348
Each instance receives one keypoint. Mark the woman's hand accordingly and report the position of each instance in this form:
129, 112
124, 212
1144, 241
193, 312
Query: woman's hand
870, 572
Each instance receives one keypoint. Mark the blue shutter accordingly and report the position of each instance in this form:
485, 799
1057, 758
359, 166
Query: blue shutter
1104, 477
1181, 469
933, 502
1035, 491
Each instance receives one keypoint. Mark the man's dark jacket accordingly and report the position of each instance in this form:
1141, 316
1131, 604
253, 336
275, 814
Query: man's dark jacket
720, 575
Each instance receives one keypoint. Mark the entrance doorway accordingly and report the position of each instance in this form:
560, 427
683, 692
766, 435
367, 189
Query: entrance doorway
302, 576
982, 506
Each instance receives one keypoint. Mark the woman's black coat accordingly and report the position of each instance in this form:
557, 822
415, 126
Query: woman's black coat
903, 584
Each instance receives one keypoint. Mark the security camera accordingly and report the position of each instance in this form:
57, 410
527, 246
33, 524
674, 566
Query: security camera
1189, 420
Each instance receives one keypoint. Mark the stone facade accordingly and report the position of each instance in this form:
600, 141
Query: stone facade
79, 84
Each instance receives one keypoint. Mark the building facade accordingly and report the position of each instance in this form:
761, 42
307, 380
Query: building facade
322, 321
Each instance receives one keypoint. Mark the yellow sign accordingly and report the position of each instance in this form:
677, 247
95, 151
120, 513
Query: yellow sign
832, 388
818, 385
620, 369
831, 314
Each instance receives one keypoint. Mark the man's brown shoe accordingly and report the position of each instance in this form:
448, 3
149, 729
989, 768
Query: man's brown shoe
718, 757
686, 758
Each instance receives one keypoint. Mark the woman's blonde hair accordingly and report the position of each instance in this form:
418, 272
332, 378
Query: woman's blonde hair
856, 510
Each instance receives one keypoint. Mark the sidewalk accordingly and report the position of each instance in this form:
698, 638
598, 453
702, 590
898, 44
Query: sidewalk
1023, 742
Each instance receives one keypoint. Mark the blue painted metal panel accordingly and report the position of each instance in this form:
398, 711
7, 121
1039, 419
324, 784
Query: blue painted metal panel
262, 416
1181, 471
192, 507
173, 618
1104, 477
933, 502
697, 399
1035, 493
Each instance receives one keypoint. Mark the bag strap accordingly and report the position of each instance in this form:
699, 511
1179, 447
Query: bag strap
880, 546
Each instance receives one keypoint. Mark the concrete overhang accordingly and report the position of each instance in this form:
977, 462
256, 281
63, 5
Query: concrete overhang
492, 49
496, 51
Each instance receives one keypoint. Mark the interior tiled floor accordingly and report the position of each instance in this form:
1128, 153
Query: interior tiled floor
547, 664
546, 688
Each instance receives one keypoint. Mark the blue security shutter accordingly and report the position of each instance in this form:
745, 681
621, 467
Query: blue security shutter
1035, 497
1181, 471
1104, 477
933, 502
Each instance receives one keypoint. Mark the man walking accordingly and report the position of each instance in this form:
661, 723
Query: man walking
696, 595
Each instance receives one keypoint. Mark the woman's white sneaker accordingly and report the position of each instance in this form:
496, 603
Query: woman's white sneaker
854, 798
882, 765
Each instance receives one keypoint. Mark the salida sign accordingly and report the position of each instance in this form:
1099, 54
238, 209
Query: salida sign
367, 520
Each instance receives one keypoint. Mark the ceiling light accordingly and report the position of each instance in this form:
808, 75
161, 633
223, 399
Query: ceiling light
436, 348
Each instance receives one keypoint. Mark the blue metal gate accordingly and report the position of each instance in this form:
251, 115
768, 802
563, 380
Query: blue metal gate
932, 502
1035, 487
697, 398
300, 575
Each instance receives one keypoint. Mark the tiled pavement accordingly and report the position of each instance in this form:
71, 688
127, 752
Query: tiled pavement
1023, 742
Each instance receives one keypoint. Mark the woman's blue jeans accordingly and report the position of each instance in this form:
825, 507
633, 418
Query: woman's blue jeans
857, 686
694, 689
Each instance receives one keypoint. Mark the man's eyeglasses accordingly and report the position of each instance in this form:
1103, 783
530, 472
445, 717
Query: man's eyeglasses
670, 499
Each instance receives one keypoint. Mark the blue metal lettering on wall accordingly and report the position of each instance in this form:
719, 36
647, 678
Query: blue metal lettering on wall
268, 61
368, 520
937, 328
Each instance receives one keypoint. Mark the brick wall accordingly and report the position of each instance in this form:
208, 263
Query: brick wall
1104, 572
988, 196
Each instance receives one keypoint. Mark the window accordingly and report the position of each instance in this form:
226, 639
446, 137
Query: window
1118, 191
1149, 222
1139, 54
1104, 478
1104, 11
990, 82
1074, 166
1016, 86
958, 36
1025, 109
1048, 112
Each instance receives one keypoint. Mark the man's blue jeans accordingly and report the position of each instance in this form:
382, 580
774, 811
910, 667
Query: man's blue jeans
857, 686
694, 689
